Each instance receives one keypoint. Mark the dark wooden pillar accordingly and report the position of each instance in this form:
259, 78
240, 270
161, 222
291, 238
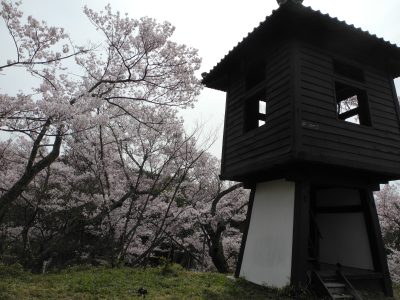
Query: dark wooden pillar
246, 230
376, 241
301, 228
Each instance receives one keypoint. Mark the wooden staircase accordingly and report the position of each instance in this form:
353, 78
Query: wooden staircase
333, 286
337, 290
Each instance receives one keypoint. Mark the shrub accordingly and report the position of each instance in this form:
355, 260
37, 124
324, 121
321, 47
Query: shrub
169, 268
13, 270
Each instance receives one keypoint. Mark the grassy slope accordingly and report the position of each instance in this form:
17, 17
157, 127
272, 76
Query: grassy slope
123, 283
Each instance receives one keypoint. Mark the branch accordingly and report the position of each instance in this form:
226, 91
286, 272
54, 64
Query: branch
24, 63
222, 194
36, 144
30, 172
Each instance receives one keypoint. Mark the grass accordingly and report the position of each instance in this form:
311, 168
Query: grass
171, 282
123, 283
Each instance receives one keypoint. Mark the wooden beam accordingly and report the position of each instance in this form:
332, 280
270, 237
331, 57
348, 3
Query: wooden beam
348, 114
246, 231
375, 239
395, 100
339, 209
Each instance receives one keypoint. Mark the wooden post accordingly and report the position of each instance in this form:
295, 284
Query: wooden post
376, 241
246, 231
301, 228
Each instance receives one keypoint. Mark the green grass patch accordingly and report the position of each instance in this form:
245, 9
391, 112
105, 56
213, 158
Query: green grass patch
124, 283
172, 282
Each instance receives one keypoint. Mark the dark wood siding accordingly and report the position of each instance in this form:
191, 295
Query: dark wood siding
326, 139
246, 152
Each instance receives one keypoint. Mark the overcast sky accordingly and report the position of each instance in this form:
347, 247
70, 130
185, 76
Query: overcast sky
212, 26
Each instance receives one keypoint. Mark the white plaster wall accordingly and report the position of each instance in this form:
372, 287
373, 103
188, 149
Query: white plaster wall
267, 257
344, 240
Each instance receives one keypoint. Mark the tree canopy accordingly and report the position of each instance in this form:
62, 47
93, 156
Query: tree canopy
96, 165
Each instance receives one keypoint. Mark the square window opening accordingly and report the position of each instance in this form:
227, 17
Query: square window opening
352, 104
256, 111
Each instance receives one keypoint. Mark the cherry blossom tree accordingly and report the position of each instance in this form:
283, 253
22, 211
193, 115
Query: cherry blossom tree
122, 192
99, 165
135, 68
218, 210
148, 167
388, 206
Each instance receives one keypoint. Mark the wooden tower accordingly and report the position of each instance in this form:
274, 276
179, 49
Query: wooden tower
312, 126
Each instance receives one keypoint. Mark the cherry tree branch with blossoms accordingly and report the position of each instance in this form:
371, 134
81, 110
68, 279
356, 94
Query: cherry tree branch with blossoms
134, 69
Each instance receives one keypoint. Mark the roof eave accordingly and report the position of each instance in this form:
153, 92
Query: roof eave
213, 78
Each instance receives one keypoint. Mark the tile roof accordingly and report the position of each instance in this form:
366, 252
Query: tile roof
312, 13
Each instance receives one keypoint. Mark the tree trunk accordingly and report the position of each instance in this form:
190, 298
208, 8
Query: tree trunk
31, 170
216, 248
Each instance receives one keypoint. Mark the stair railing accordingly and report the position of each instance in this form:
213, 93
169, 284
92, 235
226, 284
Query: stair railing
319, 286
349, 286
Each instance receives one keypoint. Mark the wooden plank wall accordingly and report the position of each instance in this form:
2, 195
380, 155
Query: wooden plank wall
244, 151
328, 137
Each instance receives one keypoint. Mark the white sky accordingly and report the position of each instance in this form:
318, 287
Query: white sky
212, 26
